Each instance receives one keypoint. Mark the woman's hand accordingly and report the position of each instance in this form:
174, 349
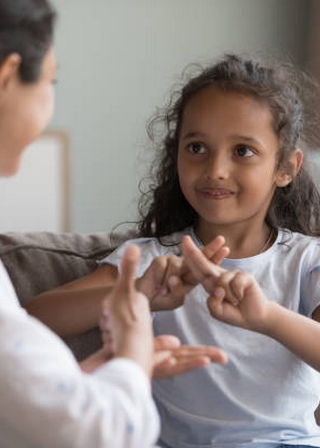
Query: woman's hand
129, 317
171, 358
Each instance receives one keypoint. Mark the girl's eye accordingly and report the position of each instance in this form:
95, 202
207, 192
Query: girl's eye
196, 148
244, 151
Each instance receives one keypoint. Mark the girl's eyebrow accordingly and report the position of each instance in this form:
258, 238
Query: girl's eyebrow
246, 138
243, 138
193, 135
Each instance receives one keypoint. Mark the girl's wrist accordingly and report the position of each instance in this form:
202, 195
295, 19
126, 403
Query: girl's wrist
271, 320
140, 286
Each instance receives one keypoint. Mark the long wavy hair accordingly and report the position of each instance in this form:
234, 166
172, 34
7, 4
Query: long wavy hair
293, 99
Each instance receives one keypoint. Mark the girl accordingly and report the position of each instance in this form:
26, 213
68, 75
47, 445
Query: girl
231, 164
46, 399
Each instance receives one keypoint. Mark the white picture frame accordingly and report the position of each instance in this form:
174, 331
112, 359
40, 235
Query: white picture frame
37, 198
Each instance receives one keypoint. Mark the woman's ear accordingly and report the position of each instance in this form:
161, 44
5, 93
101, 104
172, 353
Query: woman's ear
9, 69
284, 176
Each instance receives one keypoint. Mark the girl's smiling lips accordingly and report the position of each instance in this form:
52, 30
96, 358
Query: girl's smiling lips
216, 193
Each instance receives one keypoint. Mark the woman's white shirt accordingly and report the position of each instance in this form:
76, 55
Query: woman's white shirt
46, 401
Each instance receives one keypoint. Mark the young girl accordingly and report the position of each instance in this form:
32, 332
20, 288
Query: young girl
231, 164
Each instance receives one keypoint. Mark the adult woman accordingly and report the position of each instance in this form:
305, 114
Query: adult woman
46, 399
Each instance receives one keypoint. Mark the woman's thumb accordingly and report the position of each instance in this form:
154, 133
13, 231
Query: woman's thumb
128, 267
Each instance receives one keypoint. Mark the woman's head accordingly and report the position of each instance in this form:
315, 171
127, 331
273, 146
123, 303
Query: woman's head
279, 88
26, 28
27, 71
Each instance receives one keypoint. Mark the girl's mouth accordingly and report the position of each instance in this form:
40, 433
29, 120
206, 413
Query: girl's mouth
216, 193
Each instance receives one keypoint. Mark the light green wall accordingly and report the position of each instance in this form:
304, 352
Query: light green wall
118, 60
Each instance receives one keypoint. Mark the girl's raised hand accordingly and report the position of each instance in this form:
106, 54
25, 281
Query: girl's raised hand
237, 299
154, 283
201, 266
234, 296
169, 278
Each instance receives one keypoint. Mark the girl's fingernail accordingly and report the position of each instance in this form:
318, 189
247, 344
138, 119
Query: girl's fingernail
173, 281
218, 293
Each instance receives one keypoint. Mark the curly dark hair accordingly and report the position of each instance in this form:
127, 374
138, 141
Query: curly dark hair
291, 96
26, 28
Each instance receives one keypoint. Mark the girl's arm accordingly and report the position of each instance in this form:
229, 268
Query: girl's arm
300, 334
75, 307
237, 299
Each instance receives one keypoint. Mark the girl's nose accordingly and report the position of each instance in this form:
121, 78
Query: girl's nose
217, 167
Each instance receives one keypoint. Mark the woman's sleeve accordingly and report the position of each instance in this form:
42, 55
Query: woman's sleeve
47, 401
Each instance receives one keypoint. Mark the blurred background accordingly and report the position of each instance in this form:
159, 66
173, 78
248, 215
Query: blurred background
118, 60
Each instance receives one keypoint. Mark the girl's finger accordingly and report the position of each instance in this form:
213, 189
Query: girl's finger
220, 255
173, 267
198, 263
226, 282
213, 247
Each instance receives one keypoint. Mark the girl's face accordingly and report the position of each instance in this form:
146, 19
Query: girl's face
227, 158
25, 109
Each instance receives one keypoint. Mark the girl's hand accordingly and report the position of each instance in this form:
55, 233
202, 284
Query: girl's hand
202, 265
154, 283
168, 279
237, 299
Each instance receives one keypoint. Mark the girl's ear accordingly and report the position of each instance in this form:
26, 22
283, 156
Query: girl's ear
9, 69
285, 176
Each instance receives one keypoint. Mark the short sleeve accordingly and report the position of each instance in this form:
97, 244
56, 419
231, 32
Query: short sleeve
310, 286
150, 248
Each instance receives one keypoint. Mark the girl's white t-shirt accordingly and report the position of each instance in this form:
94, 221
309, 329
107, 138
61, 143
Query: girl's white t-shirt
265, 394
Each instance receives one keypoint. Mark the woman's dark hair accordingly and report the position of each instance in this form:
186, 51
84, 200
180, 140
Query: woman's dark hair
290, 96
26, 28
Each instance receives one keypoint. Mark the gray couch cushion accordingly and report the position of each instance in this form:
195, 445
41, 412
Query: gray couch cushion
39, 261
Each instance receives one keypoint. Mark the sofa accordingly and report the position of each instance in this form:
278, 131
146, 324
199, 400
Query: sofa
39, 261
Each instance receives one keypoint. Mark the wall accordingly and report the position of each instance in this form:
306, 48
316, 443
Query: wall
118, 60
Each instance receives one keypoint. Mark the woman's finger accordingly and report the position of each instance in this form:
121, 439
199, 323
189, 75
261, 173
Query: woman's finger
128, 269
